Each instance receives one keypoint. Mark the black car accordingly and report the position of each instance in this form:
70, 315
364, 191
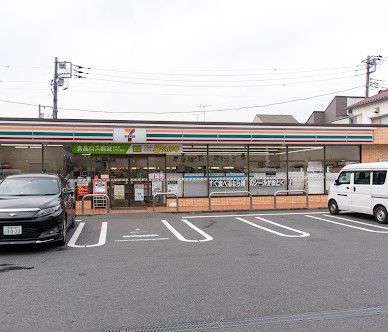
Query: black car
35, 208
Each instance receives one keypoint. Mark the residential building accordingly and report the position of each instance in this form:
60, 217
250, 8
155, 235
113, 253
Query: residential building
335, 112
274, 118
372, 110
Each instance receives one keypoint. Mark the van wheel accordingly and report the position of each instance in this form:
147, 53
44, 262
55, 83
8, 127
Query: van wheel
381, 215
333, 207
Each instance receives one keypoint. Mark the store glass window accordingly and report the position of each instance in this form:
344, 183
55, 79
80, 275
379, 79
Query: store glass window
228, 167
337, 157
18, 158
305, 168
58, 159
267, 169
186, 172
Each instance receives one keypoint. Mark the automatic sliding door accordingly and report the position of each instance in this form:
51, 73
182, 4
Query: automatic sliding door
119, 180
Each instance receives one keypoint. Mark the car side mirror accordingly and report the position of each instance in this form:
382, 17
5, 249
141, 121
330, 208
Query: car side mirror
336, 183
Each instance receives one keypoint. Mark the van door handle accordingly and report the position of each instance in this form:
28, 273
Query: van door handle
347, 187
354, 188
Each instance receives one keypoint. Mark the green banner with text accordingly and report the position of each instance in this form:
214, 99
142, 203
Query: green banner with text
100, 148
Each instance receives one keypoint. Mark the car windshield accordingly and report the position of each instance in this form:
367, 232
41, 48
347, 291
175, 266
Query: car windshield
29, 187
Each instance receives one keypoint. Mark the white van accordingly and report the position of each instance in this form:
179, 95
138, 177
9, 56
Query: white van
361, 188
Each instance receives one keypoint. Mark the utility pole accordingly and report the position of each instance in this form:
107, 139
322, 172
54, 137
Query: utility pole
203, 108
370, 62
60, 80
55, 89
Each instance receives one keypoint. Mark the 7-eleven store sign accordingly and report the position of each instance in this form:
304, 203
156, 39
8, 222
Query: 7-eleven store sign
129, 135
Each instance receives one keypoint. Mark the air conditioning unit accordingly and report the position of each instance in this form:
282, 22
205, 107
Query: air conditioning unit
376, 110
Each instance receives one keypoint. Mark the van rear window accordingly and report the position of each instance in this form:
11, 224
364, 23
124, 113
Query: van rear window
379, 177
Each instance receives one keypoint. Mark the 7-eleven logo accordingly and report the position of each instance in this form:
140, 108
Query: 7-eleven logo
129, 134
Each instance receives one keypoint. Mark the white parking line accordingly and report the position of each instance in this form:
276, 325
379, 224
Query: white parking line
252, 214
77, 233
357, 222
302, 234
141, 235
180, 237
351, 226
136, 240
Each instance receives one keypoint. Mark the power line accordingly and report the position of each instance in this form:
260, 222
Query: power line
217, 81
186, 112
221, 86
271, 71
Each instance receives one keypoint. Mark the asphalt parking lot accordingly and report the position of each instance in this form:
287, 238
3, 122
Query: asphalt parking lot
264, 271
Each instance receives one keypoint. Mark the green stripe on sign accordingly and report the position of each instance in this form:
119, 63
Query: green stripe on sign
362, 137
300, 136
234, 136
16, 133
267, 136
45, 133
93, 134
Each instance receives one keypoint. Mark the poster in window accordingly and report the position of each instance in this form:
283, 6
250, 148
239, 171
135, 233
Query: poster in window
118, 191
99, 186
139, 192
172, 186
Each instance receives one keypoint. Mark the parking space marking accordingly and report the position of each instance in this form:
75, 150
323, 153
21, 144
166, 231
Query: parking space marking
357, 222
253, 214
77, 233
141, 235
137, 240
180, 237
302, 234
351, 226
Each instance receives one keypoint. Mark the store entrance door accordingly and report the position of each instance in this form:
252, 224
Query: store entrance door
119, 182
139, 187
147, 177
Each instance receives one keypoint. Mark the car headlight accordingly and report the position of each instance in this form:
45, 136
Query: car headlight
50, 210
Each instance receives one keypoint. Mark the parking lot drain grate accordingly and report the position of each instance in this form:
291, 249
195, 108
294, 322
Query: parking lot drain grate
257, 321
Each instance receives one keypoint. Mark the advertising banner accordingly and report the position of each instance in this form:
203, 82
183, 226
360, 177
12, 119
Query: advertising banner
99, 186
82, 188
227, 183
125, 148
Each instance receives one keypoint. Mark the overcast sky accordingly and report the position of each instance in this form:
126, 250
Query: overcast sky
172, 56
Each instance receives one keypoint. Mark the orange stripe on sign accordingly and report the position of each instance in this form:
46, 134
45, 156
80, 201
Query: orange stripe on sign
71, 129
16, 128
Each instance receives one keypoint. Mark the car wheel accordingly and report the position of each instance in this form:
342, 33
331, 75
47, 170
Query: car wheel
62, 241
381, 215
333, 207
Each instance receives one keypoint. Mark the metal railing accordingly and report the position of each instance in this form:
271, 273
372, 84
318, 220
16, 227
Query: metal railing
289, 191
231, 192
164, 194
96, 195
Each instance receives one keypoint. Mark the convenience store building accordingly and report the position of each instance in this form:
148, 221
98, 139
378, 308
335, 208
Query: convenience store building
132, 160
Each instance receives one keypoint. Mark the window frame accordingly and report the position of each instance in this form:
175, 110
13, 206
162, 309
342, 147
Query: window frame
362, 184
373, 177
350, 177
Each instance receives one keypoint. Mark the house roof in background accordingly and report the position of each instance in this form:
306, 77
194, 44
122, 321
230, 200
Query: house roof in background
274, 118
382, 95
